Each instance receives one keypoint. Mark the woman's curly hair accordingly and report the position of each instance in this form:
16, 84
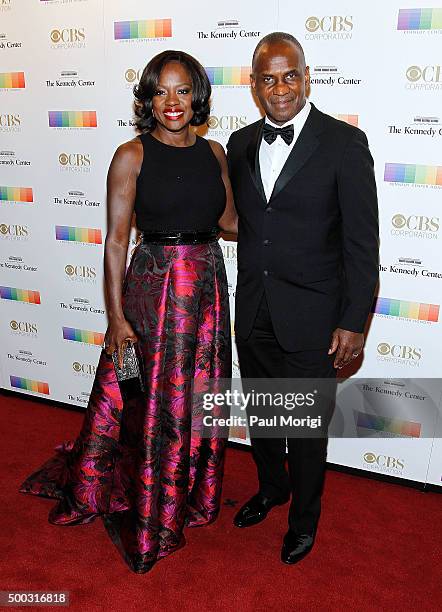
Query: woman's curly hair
146, 88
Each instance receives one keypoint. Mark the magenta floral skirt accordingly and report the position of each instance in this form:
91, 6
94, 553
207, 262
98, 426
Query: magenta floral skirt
140, 464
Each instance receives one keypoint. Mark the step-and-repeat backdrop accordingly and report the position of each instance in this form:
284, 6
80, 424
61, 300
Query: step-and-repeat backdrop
67, 72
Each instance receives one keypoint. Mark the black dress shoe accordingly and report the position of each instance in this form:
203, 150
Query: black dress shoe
296, 546
256, 510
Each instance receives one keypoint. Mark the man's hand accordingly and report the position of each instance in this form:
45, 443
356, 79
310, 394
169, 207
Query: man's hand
348, 345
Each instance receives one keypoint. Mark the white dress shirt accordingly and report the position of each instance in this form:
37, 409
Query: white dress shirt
272, 157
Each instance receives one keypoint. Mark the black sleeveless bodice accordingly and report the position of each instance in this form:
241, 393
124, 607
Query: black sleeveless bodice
178, 188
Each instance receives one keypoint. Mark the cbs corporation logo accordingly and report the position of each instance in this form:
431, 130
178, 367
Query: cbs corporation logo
75, 162
329, 27
87, 369
415, 226
81, 273
226, 123
132, 76
23, 327
399, 353
14, 232
10, 122
384, 463
424, 77
68, 38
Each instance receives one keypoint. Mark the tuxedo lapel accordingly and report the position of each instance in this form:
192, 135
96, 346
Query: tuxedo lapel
304, 148
253, 158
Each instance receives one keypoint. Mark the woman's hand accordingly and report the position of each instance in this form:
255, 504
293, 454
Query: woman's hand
118, 333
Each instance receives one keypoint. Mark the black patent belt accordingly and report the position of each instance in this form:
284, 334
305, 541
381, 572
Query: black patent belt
179, 237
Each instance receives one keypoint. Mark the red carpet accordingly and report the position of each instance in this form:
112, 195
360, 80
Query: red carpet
378, 547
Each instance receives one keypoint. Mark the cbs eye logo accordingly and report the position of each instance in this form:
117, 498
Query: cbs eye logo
63, 159
399, 221
413, 73
383, 348
132, 75
312, 24
370, 458
70, 270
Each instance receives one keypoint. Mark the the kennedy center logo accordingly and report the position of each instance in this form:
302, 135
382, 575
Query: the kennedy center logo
14, 195
70, 79
76, 198
11, 81
329, 27
333, 75
6, 43
229, 29
421, 125
410, 267
143, 30
27, 296
230, 76
403, 309
28, 384
85, 235
9, 158
72, 119
414, 175
420, 20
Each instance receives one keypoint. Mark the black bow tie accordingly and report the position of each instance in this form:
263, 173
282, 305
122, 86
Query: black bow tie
270, 133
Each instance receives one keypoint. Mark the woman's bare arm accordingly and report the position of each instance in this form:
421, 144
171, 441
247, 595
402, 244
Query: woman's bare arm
229, 219
121, 188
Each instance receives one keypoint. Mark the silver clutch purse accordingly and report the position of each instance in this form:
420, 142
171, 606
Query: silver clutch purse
131, 366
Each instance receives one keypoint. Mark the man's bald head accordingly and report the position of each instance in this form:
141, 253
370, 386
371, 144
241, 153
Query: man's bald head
275, 38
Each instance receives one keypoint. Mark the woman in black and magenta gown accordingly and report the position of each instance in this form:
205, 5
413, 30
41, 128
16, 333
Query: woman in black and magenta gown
137, 464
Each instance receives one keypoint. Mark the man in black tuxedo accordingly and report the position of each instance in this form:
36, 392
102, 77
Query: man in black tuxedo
305, 193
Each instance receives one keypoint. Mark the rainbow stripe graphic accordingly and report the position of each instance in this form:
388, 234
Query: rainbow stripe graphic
12, 80
351, 119
78, 234
408, 310
146, 28
36, 386
420, 19
232, 75
16, 194
69, 119
20, 295
83, 335
388, 424
412, 173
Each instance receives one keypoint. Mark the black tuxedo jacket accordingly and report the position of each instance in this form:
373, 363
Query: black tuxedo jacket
313, 248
